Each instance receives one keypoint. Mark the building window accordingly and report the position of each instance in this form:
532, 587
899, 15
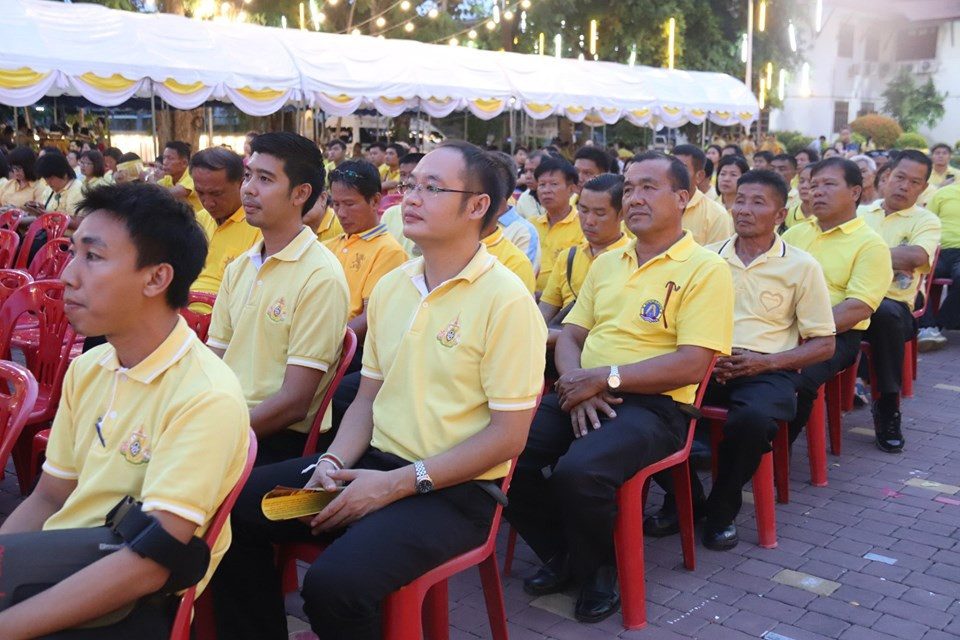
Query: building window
841, 114
917, 44
871, 50
865, 108
845, 41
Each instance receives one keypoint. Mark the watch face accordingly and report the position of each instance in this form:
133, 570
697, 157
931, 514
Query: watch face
424, 486
613, 382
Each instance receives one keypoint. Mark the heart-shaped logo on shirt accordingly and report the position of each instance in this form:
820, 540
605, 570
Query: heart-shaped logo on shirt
770, 300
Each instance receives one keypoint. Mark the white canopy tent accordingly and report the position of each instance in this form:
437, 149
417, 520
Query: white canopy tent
107, 56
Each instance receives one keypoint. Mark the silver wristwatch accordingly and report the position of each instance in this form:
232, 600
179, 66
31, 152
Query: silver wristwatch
613, 379
424, 481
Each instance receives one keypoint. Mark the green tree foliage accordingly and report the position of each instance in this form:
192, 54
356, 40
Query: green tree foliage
911, 140
882, 130
913, 105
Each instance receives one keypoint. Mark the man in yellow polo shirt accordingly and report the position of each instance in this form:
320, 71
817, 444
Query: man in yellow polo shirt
855, 262
528, 206
365, 250
217, 175
495, 240
322, 220
786, 165
781, 298
705, 219
590, 161
946, 206
913, 235
601, 220
558, 226
376, 153
391, 160
176, 161
152, 415
393, 216
942, 171
442, 408
282, 310
649, 320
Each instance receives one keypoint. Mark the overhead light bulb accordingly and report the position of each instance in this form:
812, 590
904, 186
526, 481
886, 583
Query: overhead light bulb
472, 35
454, 42
433, 13
405, 5
381, 21
491, 25
508, 15
408, 27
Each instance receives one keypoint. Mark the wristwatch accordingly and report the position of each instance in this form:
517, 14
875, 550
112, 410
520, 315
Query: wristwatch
424, 481
613, 380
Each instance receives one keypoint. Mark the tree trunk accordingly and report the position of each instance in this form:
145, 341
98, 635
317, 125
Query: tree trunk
175, 124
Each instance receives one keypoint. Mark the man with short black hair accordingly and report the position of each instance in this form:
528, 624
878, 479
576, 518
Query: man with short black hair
528, 205
282, 309
217, 175
762, 160
517, 229
649, 319
590, 162
176, 161
393, 216
376, 153
913, 235
558, 226
390, 177
441, 410
786, 165
336, 152
63, 191
111, 158
706, 219
152, 415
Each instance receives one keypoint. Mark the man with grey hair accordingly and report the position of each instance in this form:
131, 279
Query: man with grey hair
868, 169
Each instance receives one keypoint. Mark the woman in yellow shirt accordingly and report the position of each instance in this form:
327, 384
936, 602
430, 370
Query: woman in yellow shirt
23, 185
92, 168
729, 171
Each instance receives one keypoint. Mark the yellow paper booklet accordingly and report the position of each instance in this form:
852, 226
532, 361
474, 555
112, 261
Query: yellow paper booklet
287, 503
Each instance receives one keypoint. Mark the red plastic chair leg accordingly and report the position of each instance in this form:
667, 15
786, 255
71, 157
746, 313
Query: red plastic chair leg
908, 373
628, 537
781, 462
436, 612
402, 619
914, 350
817, 442
763, 503
833, 393
511, 547
848, 385
684, 494
493, 596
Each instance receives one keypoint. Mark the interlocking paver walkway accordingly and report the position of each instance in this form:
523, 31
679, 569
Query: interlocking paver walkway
885, 530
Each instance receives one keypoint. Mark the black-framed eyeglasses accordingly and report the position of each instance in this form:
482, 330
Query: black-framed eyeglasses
408, 187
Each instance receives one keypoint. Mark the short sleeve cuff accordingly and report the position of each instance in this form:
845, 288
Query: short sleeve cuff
706, 343
187, 512
216, 344
310, 363
512, 404
59, 472
818, 332
370, 373
873, 304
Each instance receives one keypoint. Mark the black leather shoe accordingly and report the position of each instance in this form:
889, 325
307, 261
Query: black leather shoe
552, 577
666, 522
886, 425
721, 539
599, 597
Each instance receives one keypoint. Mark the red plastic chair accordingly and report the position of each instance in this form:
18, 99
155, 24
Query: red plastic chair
11, 280
51, 260
10, 219
204, 619
9, 241
55, 224
18, 393
628, 534
388, 201
346, 355
44, 301
199, 322
776, 462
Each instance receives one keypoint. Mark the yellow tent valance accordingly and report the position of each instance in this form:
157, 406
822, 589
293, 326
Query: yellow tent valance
114, 83
20, 78
538, 108
488, 105
182, 89
263, 94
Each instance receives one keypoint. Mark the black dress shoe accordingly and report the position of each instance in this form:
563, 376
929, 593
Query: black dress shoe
666, 522
886, 426
552, 577
599, 597
721, 539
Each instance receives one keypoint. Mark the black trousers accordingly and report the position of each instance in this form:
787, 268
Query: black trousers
754, 405
891, 325
280, 446
344, 587
812, 377
151, 619
948, 266
574, 510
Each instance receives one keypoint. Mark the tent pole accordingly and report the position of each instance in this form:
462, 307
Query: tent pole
466, 116
513, 130
153, 120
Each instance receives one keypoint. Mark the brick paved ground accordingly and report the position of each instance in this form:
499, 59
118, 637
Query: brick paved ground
882, 539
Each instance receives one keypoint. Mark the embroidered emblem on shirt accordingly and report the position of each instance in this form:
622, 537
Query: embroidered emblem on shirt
357, 261
277, 312
450, 336
651, 311
770, 300
135, 449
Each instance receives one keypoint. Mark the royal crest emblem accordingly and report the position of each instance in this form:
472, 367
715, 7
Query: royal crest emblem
450, 335
136, 449
277, 312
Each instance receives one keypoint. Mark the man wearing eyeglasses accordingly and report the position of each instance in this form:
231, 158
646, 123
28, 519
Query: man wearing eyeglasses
282, 309
442, 408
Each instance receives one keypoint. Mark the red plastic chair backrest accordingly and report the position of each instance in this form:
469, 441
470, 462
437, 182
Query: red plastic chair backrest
11, 280
181, 624
18, 394
55, 224
926, 284
51, 260
389, 200
346, 355
44, 301
199, 322
9, 241
10, 219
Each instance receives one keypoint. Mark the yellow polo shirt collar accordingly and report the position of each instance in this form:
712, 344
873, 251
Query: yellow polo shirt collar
481, 262
494, 238
729, 251
680, 251
290, 253
170, 351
